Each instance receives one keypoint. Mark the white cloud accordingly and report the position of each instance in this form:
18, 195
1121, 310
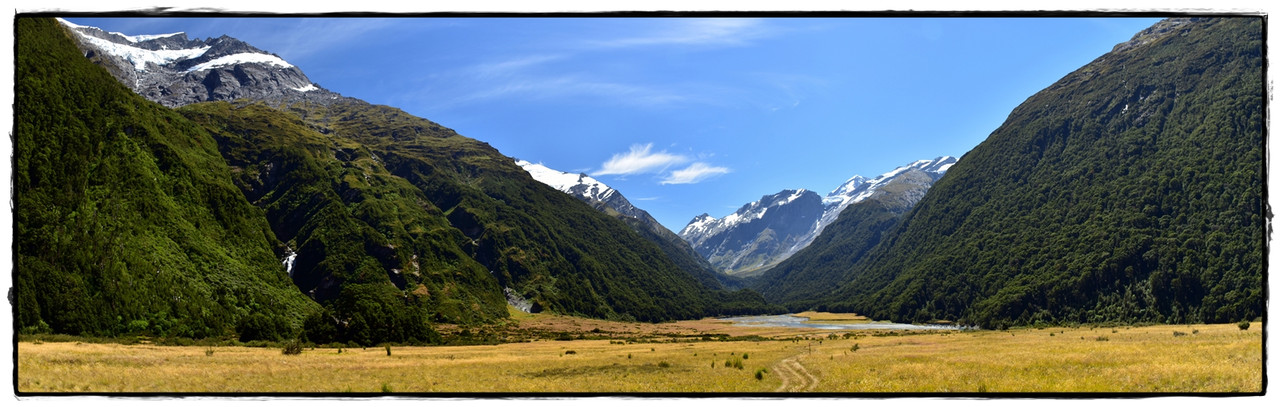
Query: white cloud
641, 159
694, 173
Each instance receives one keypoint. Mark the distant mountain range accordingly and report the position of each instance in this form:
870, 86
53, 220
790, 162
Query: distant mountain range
180, 187
762, 233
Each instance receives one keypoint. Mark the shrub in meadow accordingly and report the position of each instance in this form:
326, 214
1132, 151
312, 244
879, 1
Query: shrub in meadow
293, 347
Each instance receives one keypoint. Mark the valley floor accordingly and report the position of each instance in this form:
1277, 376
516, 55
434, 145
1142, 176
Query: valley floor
687, 356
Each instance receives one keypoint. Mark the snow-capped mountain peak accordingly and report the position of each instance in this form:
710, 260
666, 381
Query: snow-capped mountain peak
174, 70
699, 224
579, 185
859, 187
602, 197
838, 195
755, 236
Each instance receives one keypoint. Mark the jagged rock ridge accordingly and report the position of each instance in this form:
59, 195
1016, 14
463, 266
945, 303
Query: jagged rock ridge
174, 70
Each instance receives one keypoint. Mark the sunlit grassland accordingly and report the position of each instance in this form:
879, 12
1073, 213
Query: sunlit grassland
593, 366
1201, 358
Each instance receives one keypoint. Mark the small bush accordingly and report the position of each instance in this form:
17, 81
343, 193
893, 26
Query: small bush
1102, 339
760, 374
208, 352
664, 364
1244, 325
744, 356
854, 348
388, 350
571, 352
293, 347
386, 388
1176, 333
733, 363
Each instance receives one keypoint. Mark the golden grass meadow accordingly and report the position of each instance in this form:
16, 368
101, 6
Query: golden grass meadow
683, 357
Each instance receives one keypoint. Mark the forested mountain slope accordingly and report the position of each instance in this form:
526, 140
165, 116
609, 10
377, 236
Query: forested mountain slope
432, 208
1133, 189
610, 201
125, 216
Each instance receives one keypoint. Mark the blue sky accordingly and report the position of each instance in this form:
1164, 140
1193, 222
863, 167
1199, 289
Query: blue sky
689, 115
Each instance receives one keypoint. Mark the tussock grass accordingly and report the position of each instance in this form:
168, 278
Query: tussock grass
1220, 358
596, 366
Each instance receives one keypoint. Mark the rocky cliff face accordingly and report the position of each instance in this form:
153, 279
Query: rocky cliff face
754, 236
174, 70
859, 227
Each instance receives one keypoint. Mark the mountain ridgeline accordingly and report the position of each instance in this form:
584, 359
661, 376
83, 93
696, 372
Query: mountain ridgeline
285, 214
195, 188
610, 201
1133, 189
858, 228
174, 70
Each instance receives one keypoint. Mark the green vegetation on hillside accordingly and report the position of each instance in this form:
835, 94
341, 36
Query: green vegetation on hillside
125, 217
369, 245
1132, 190
544, 244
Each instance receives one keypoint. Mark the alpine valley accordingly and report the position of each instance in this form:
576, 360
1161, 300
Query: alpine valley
205, 188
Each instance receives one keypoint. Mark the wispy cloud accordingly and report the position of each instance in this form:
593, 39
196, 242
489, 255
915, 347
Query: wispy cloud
640, 160
514, 66
577, 88
705, 31
570, 70
694, 173
297, 39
